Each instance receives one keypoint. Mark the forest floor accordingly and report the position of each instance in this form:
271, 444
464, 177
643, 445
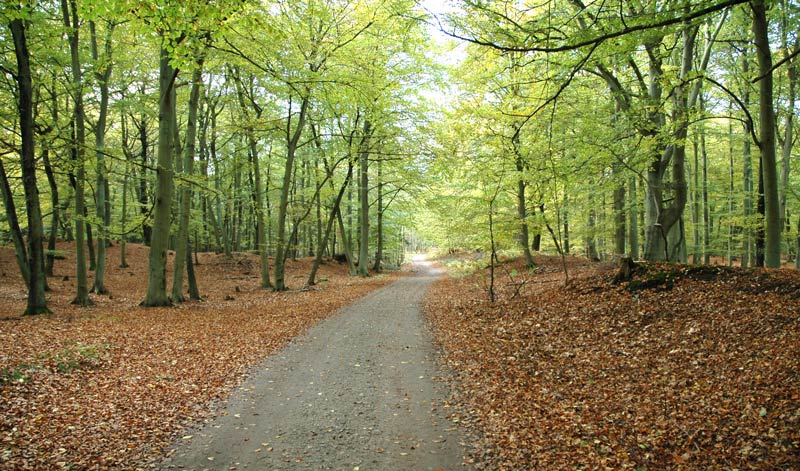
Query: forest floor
684, 367
112, 385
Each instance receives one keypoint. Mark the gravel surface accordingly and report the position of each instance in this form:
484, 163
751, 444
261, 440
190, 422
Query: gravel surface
358, 392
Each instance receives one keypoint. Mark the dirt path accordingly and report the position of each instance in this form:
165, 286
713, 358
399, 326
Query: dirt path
357, 392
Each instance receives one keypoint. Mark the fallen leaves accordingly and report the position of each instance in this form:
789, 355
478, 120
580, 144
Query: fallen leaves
697, 369
111, 386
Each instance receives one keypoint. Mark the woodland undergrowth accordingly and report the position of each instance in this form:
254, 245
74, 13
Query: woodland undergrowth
111, 386
681, 367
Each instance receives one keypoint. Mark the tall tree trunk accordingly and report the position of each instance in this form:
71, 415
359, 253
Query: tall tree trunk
797, 258
347, 244
123, 262
261, 223
182, 241
51, 243
20, 251
706, 210
292, 141
37, 303
772, 216
157, 268
786, 148
191, 279
522, 211
760, 235
70, 15
335, 211
377, 267
633, 223
102, 76
144, 204
619, 213
54, 201
731, 189
363, 199
747, 236
696, 201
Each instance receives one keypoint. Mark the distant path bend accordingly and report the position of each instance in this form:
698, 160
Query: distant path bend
356, 392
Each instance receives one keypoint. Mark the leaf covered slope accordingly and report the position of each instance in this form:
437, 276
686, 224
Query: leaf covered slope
682, 368
113, 385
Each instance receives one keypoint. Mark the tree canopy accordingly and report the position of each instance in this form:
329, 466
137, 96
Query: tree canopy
360, 129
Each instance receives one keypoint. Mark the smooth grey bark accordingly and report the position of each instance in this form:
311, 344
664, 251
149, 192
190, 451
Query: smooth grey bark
747, 169
261, 243
696, 252
36, 301
377, 266
312, 277
788, 144
633, 219
363, 199
185, 198
766, 144
706, 209
292, 141
661, 218
102, 75
70, 16
157, 267
347, 244
261, 222
522, 211
619, 212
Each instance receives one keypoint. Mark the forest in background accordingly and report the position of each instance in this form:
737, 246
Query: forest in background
660, 130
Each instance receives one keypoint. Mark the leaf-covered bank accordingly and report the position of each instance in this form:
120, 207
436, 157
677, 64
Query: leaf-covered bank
110, 386
697, 370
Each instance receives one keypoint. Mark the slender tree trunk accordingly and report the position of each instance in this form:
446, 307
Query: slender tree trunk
51, 243
37, 303
102, 76
182, 252
20, 251
292, 141
157, 271
191, 279
731, 189
335, 211
772, 216
377, 266
760, 235
144, 204
70, 15
696, 202
261, 223
747, 168
633, 224
786, 150
123, 262
706, 212
363, 199
347, 245
54, 200
619, 214
797, 258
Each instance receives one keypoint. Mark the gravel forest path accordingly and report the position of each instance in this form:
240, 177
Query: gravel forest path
358, 391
